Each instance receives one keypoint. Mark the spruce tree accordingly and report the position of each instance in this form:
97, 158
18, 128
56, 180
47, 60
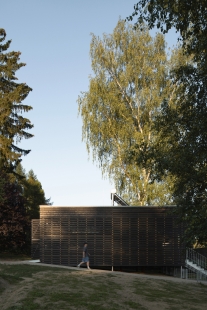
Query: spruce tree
13, 125
31, 190
34, 195
14, 223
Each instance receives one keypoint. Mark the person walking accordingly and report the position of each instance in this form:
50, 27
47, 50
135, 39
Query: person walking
85, 258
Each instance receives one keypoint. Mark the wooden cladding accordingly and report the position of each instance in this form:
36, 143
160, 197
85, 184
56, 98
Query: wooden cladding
116, 236
35, 236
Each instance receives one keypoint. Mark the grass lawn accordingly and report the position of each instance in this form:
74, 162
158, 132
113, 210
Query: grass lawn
33, 287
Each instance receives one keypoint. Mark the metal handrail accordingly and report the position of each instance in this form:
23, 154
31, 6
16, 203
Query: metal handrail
196, 258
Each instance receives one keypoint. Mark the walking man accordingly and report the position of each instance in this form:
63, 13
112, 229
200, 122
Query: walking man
85, 258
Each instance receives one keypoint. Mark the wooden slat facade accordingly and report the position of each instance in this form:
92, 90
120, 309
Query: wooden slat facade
35, 239
116, 236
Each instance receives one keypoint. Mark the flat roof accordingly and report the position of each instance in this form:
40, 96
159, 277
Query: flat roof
46, 206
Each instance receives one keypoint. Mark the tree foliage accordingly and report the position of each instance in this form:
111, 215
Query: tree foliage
13, 126
183, 125
20, 196
14, 223
32, 191
119, 109
188, 17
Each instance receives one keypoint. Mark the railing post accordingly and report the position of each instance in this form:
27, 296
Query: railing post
197, 259
197, 275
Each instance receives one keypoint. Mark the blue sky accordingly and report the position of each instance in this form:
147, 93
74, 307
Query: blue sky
54, 39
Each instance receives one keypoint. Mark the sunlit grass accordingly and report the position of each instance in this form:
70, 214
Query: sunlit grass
59, 288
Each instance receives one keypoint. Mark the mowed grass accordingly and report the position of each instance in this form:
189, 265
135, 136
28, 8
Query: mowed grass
33, 287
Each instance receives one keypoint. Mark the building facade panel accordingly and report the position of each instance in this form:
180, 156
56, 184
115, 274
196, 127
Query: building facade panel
116, 236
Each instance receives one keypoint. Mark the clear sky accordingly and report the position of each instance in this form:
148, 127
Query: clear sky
54, 39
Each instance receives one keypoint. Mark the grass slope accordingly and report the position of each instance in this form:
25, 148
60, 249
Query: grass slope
29, 287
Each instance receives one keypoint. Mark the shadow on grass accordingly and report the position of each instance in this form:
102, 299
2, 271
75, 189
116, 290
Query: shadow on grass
15, 273
68, 290
182, 295
58, 288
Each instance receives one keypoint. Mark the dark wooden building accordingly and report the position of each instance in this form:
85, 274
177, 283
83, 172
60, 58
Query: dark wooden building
116, 236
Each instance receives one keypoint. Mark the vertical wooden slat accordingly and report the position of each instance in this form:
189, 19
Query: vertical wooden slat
35, 239
116, 236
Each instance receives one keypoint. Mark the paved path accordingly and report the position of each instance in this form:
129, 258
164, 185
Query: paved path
137, 275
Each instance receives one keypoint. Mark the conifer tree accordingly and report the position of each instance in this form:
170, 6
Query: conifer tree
32, 191
34, 195
14, 223
13, 126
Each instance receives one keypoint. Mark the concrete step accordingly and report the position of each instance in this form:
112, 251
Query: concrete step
196, 267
